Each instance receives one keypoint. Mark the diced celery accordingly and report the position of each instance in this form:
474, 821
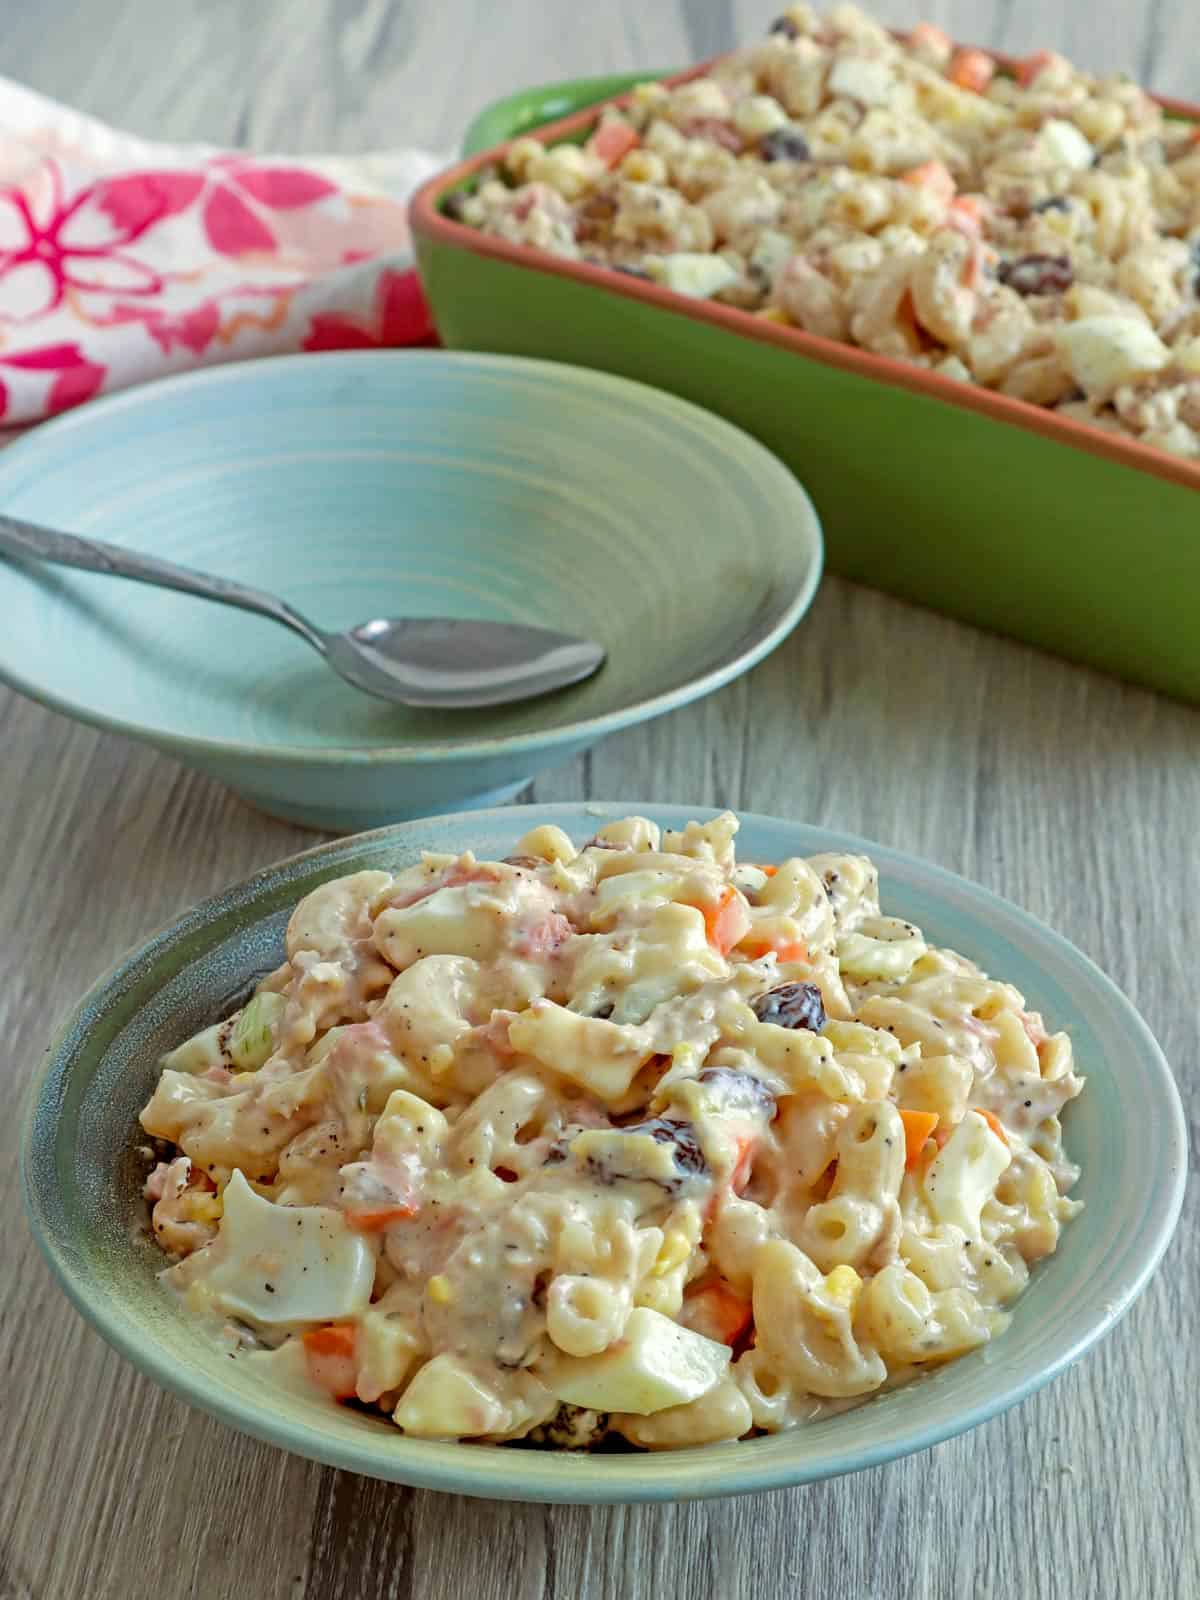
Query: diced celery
251, 1040
197, 1054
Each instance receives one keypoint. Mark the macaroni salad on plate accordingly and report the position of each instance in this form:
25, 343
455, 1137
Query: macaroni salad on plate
621, 1143
1035, 232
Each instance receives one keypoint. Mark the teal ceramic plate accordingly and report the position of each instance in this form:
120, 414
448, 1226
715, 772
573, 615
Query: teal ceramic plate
375, 483
82, 1179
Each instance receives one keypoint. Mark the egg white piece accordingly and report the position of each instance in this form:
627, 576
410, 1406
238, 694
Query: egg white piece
278, 1265
653, 1365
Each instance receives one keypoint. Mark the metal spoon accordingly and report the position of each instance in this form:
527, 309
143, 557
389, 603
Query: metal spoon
418, 661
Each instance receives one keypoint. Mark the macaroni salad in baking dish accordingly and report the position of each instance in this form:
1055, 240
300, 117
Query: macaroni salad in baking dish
1037, 233
629, 1141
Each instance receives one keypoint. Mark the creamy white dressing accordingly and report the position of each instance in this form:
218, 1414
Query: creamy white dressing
614, 1139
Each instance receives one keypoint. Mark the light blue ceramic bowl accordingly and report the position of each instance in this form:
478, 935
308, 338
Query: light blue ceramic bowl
377, 483
82, 1178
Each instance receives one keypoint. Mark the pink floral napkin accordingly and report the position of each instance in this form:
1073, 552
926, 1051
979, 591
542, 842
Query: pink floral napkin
123, 259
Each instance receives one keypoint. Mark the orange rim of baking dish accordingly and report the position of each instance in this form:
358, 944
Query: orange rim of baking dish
427, 220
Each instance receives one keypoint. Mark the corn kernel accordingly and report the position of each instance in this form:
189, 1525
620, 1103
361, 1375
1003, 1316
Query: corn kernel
757, 115
205, 1207
440, 1290
520, 153
843, 1286
644, 166
649, 94
441, 1059
676, 1248
775, 314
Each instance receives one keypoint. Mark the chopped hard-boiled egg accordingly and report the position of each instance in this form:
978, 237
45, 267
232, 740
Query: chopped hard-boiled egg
448, 1400
448, 922
1108, 350
283, 1264
1063, 143
199, 1053
867, 79
691, 273
963, 1178
655, 1363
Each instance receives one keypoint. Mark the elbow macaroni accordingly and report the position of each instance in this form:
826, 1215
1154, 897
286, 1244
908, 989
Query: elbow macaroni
546, 1148
1038, 234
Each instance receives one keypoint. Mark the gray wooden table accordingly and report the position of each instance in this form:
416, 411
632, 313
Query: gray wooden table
1072, 794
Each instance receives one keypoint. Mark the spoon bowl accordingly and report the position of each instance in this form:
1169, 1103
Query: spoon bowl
454, 663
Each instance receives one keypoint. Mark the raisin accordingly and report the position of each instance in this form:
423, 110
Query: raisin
1056, 202
685, 1150
1037, 274
570, 1428
785, 144
681, 1136
454, 205
792, 1005
593, 219
740, 1091
786, 27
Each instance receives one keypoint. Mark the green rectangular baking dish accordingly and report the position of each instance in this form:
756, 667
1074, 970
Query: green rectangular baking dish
983, 507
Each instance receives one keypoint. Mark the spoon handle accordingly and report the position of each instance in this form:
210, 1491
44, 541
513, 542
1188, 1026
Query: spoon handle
29, 539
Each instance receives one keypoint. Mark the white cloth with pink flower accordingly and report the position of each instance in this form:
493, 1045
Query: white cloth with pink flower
122, 259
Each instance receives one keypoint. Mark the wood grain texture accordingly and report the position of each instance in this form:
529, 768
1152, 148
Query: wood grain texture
1068, 792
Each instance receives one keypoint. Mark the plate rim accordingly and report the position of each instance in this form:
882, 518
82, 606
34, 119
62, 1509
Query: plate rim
807, 529
490, 1472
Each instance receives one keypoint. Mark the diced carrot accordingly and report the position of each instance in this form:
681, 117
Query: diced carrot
747, 1145
727, 921
787, 950
717, 1312
612, 141
765, 866
927, 36
332, 1339
972, 69
372, 1219
966, 213
797, 950
934, 176
1028, 69
993, 1122
329, 1352
918, 1125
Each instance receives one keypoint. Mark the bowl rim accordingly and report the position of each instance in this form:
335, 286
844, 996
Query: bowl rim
493, 1472
806, 528
428, 222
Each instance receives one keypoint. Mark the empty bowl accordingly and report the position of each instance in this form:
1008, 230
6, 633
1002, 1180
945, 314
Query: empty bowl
389, 483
